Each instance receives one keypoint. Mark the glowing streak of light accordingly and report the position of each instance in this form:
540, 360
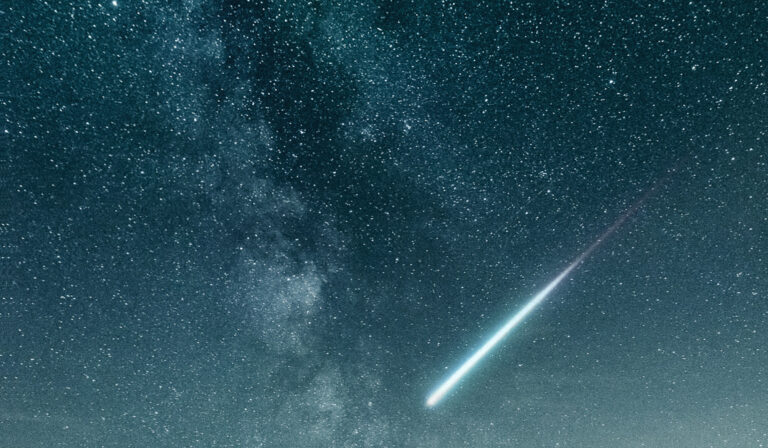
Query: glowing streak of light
446, 386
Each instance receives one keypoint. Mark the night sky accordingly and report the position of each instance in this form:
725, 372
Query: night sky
282, 224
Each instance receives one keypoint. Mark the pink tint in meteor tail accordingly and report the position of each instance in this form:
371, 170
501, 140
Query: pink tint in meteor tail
518, 317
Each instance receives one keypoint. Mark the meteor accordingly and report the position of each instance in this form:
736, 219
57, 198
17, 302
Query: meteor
515, 320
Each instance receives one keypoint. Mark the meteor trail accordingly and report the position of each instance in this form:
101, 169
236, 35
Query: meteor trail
445, 387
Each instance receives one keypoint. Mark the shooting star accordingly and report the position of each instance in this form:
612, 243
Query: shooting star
515, 320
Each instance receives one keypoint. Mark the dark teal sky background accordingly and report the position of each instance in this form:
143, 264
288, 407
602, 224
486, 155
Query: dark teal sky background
278, 224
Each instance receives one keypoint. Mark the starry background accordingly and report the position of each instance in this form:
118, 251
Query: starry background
281, 224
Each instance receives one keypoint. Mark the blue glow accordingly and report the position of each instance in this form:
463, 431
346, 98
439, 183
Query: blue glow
444, 388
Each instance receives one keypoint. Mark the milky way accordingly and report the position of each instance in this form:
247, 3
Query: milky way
272, 223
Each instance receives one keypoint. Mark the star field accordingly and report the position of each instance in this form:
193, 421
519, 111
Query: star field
249, 223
